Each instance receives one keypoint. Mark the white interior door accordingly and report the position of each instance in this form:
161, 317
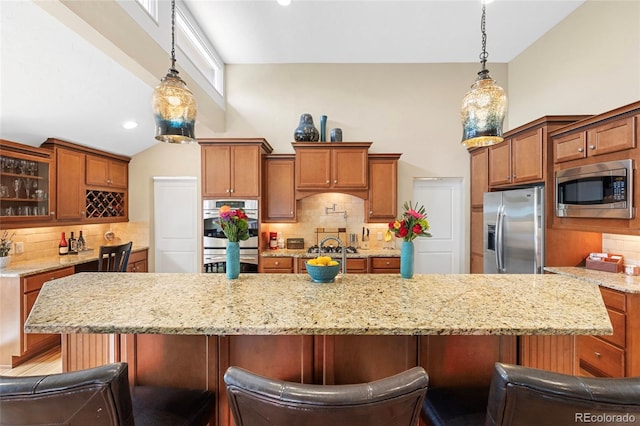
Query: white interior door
443, 253
175, 207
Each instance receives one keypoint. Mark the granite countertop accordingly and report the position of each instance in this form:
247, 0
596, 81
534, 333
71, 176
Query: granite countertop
50, 263
362, 253
615, 281
356, 304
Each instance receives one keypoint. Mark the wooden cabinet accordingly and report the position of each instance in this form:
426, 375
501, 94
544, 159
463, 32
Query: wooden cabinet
610, 136
331, 166
276, 265
384, 265
138, 261
105, 172
381, 205
479, 176
26, 179
279, 199
91, 185
232, 167
477, 241
617, 355
70, 186
519, 159
17, 298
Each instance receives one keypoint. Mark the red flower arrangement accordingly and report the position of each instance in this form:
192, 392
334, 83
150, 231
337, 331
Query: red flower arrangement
234, 224
411, 224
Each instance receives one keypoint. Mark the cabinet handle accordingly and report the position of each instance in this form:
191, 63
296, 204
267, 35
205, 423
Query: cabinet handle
328, 181
52, 213
513, 177
592, 147
291, 212
580, 149
597, 354
335, 181
228, 190
387, 263
277, 263
370, 211
231, 190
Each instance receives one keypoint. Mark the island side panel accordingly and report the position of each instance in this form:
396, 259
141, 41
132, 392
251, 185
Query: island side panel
454, 361
356, 359
278, 357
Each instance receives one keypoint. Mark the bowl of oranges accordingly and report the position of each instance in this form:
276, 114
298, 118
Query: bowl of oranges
323, 269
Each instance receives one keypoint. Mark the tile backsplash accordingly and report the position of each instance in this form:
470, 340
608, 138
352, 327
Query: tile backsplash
312, 213
43, 242
626, 245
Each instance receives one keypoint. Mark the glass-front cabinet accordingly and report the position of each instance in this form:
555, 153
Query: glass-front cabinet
25, 184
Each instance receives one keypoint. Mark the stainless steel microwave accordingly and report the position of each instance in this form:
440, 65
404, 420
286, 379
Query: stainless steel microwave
601, 190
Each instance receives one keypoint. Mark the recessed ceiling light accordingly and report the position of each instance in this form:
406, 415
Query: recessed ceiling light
284, 2
129, 125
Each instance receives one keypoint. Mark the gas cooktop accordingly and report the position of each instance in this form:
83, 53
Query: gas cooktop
330, 249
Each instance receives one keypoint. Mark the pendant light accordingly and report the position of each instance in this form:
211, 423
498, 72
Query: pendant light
174, 106
484, 106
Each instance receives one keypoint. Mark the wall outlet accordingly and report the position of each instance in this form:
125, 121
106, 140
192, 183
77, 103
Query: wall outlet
379, 236
18, 247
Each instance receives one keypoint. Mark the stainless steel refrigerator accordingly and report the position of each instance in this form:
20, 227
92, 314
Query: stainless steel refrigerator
513, 229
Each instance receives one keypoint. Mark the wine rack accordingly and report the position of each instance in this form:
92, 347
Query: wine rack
105, 204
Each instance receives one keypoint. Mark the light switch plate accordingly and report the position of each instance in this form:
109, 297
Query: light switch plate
18, 247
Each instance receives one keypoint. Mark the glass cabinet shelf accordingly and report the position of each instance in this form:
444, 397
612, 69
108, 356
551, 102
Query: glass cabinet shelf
24, 185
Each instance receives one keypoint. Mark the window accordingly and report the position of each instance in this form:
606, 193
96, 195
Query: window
151, 6
198, 51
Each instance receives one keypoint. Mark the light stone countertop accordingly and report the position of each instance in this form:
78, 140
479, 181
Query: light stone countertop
615, 281
291, 304
50, 263
362, 253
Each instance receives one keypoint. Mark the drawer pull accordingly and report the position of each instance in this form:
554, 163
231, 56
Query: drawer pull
277, 263
597, 354
580, 149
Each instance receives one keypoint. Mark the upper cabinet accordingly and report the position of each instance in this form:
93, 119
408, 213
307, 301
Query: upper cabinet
381, 206
232, 168
331, 167
91, 185
608, 137
106, 172
26, 182
279, 201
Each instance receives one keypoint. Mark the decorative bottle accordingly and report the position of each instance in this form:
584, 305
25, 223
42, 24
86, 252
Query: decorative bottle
323, 128
82, 245
63, 247
73, 244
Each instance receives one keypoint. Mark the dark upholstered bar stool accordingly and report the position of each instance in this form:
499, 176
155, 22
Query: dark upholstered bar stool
530, 397
99, 396
114, 258
259, 401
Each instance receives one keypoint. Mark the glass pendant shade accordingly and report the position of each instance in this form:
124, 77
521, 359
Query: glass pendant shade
483, 111
174, 108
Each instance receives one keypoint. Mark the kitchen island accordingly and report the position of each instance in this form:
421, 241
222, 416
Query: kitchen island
186, 329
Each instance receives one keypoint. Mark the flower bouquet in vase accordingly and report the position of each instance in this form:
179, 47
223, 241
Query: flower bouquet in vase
235, 226
410, 225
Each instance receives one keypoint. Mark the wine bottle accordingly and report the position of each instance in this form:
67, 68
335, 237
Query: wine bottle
63, 247
82, 245
73, 244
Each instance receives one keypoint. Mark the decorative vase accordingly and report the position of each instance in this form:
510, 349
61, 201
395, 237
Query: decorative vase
323, 128
306, 131
233, 260
4, 261
406, 259
336, 135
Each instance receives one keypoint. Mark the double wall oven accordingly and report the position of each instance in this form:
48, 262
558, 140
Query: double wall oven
215, 242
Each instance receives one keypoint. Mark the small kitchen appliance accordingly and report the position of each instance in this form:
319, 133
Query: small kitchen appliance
273, 240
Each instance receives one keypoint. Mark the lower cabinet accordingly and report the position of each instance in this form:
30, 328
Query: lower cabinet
276, 265
384, 265
17, 296
138, 261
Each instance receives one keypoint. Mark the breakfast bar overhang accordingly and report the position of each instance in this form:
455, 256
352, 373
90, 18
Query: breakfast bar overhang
186, 329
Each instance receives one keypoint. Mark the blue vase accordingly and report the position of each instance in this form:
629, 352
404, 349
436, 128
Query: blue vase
323, 128
233, 260
406, 259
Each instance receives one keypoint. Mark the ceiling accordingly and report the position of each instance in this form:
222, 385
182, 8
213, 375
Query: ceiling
55, 83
